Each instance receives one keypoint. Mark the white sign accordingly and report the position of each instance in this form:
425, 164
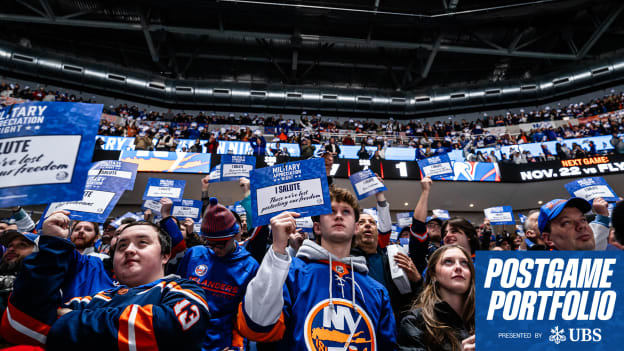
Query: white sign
94, 201
163, 191
282, 197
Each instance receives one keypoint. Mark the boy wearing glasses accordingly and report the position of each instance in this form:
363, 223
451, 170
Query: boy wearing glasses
223, 269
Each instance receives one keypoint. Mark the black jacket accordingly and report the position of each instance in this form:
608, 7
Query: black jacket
412, 329
400, 302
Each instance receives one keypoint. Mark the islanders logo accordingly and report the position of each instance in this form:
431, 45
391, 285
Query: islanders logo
201, 270
339, 327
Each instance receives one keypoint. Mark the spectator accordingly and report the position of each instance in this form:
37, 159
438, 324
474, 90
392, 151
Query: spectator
143, 142
564, 226
212, 145
443, 315
333, 147
363, 154
18, 246
258, 143
174, 315
83, 235
307, 151
225, 269
285, 289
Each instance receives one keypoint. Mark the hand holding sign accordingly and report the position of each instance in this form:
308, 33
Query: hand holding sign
282, 226
57, 225
165, 208
601, 207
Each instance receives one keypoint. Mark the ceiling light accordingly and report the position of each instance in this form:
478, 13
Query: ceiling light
540, 202
406, 204
471, 205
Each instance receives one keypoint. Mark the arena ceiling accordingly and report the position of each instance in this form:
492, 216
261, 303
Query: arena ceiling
393, 45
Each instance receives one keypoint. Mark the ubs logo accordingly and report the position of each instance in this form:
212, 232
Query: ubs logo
339, 327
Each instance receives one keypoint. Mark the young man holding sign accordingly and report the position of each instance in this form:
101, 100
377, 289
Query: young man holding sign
323, 298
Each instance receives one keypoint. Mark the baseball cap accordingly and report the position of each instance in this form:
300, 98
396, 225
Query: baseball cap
433, 219
553, 208
11, 235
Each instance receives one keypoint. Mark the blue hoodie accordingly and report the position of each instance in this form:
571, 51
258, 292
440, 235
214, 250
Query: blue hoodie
224, 280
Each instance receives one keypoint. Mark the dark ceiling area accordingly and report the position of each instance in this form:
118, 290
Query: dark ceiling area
392, 45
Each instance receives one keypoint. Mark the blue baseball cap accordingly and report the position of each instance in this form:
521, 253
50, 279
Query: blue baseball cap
553, 208
11, 235
433, 219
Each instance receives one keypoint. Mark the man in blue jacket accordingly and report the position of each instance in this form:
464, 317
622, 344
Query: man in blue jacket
148, 311
223, 269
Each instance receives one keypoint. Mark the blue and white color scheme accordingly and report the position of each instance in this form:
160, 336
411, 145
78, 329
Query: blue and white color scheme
116, 172
591, 188
236, 167
158, 188
103, 189
404, 219
442, 214
522, 218
365, 183
215, 174
294, 186
187, 209
500, 215
305, 224
436, 167
549, 300
46, 151
153, 205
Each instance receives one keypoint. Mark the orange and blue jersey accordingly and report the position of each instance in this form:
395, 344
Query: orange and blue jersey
165, 314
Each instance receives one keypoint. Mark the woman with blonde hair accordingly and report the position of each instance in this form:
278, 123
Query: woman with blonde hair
442, 317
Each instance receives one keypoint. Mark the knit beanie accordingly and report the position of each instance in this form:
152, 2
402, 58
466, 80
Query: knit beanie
218, 223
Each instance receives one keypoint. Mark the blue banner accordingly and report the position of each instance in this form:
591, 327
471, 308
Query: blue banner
404, 219
522, 218
158, 188
104, 187
365, 183
436, 167
294, 186
591, 188
500, 215
187, 209
46, 150
122, 174
165, 161
542, 300
215, 174
442, 214
236, 167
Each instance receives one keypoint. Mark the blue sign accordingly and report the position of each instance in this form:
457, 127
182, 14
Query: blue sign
187, 209
436, 167
541, 300
46, 151
442, 214
305, 224
500, 215
116, 223
404, 219
153, 205
591, 188
215, 174
294, 186
158, 188
122, 174
236, 167
366, 184
522, 217
104, 187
